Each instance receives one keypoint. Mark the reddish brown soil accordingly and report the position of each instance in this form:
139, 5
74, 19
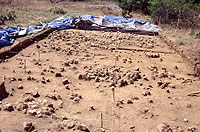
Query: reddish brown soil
131, 109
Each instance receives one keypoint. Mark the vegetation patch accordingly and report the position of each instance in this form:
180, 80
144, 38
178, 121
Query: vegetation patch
181, 13
7, 17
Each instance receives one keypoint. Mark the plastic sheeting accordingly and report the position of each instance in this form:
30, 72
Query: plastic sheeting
5, 39
8, 35
118, 22
120, 19
128, 24
62, 23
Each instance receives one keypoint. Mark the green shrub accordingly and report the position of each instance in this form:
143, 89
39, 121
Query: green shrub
183, 12
8, 17
198, 35
59, 11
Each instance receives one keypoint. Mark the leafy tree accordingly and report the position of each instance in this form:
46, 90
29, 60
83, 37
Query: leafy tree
126, 5
133, 5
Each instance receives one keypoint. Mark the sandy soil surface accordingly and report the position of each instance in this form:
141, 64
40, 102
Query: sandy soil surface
77, 80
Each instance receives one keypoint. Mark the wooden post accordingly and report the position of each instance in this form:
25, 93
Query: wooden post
101, 120
116, 59
113, 93
24, 63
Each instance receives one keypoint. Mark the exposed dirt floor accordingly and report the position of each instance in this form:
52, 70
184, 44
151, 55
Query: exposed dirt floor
77, 80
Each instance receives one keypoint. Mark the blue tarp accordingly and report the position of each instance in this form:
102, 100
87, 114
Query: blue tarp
120, 19
87, 17
102, 7
5, 39
63, 23
8, 35
35, 29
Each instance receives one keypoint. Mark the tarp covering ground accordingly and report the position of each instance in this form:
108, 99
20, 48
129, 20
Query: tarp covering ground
8, 35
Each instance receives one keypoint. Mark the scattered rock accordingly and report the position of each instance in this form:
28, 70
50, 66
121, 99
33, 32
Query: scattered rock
150, 101
28, 126
60, 105
168, 91
80, 77
135, 98
53, 95
120, 103
9, 107
129, 102
69, 124
29, 99
146, 93
32, 112
67, 86
21, 106
122, 83
185, 120
132, 128
76, 98
29, 78
35, 94
83, 127
176, 67
164, 128
62, 69
152, 55
92, 108
65, 81
58, 74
